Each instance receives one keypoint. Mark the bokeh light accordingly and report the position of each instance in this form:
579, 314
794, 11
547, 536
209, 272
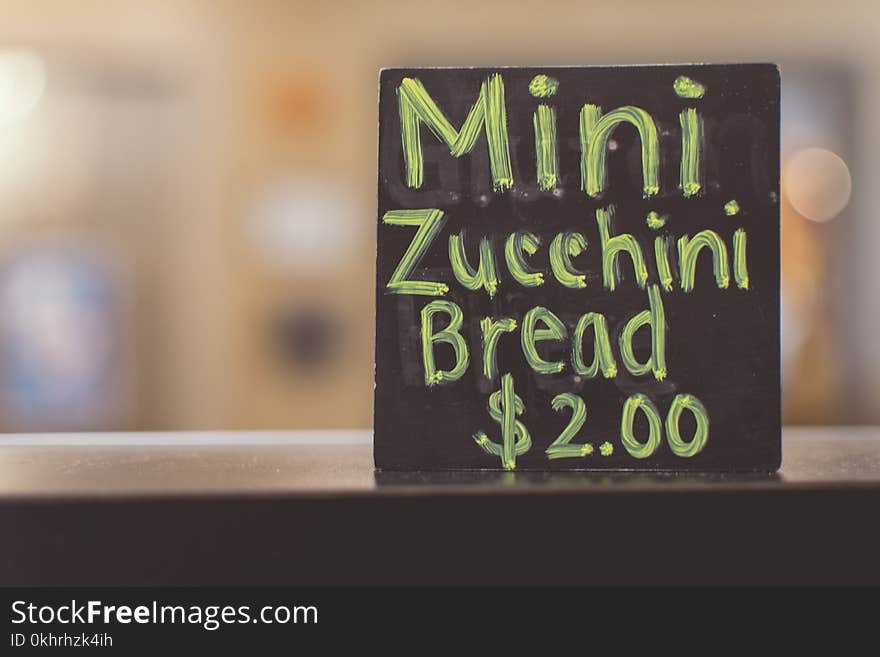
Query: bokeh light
817, 183
22, 82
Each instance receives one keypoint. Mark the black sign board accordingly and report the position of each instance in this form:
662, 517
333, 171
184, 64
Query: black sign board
578, 268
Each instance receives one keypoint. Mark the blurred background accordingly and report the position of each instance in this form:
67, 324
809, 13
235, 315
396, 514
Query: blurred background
171, 172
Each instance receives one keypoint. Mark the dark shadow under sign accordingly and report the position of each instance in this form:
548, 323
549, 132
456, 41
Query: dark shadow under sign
578, 268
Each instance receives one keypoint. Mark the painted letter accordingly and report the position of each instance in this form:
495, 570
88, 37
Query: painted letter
492, 331
611, 248
661, 252
656, 319
595, 131
603, 358
484, 276
563, 248
430, 222
544, 120
688, 251
691, 144
518, 243
740, 267
530, 335
416, 106
450, 335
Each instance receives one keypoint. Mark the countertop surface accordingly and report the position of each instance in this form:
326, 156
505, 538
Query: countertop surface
340, 462
308, 509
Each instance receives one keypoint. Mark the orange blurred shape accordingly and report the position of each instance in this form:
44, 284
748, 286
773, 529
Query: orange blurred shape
299, 102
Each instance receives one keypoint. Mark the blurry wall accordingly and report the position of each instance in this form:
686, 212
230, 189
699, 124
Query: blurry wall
196, 162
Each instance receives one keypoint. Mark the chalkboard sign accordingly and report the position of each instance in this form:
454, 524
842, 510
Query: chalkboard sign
578, 268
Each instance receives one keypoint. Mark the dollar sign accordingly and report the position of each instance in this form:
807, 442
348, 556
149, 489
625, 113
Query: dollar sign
504, 406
